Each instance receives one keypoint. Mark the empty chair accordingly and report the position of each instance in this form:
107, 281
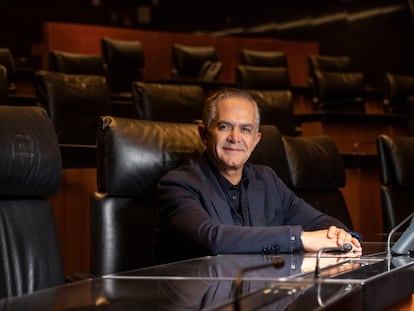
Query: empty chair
263, 58
30, 172
76, 63
331, 63
125, 61
198, 63
396, 156
4, 86
339, 91
74, 103
398, 92
168, 102
132, 156
262, 78
316, 173
276, 108
7, 60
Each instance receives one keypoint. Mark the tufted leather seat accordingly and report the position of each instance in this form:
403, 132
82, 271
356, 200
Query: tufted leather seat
396, 156
316, 172
30, 171
132, 156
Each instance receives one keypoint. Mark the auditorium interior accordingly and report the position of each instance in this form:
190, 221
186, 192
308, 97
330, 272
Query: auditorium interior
335, 74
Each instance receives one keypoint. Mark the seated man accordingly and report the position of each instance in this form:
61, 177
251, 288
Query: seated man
221, 204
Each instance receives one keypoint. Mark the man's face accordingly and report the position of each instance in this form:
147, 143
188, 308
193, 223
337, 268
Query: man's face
232, 136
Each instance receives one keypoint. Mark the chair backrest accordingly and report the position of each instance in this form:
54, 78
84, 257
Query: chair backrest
263, 58
30, 171
396, 156
329, 63
276, 108
76, 63
74, 103
195, 62
168, 102
124, 60
398, 90
262, 78
316, 173
339, 91
7, 60
4, 86
132, 156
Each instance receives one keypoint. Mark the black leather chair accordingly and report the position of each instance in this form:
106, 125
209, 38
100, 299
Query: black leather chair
30, 172
124, 60
338, 91
396, 156
4, 86
276, 108
74, 104
168, 102
195, 63
397, 90
316, 173
262, 78
330, 63
76, 63
132, 156
263, 58
7, 60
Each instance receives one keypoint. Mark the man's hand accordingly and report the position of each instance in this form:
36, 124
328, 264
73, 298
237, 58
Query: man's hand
332, 237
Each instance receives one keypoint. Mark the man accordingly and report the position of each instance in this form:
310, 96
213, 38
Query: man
220, 203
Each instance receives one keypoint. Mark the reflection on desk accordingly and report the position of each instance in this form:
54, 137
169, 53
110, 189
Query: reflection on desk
208, 283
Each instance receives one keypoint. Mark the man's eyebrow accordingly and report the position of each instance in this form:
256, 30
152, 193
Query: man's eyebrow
220, 122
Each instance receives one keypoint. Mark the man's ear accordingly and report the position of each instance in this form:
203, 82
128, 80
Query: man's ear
202, 131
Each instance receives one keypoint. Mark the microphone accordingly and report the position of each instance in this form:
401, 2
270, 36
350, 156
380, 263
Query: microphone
405, 242
339, 249
276, 262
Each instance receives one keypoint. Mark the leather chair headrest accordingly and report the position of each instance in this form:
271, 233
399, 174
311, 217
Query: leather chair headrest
134, 154
122, 53
263, 58
335, 85
396, 159
188, 60
179, 103
75, 63
329, 63
304, 152
262, 78
30, 160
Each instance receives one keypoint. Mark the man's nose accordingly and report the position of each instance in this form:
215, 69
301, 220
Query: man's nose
234, 135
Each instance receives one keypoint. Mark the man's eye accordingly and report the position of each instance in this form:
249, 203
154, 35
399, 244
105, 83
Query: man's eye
246, 129
223, 127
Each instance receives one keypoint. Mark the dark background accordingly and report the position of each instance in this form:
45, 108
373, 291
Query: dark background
377, 35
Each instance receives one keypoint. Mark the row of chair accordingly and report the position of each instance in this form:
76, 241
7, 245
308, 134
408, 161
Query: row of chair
335, 84
132, 155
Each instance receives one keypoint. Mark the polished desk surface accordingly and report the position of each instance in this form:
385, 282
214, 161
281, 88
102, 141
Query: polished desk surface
210, 283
